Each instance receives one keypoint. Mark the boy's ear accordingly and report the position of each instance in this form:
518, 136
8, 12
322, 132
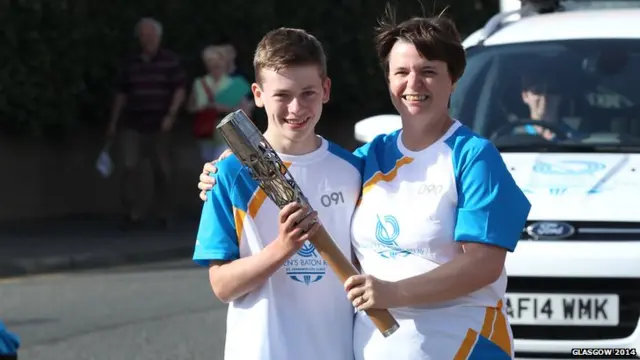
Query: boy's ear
257, 95
326, 87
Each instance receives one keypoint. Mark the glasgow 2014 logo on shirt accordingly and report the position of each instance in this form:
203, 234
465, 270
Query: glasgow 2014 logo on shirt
387, 232
306, 266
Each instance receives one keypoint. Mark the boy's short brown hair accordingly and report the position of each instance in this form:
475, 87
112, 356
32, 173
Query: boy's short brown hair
435, 38
286, 47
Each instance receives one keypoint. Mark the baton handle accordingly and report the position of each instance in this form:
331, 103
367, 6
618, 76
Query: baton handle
330, 252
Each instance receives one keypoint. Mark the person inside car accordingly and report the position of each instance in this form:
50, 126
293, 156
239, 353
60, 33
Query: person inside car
541, 94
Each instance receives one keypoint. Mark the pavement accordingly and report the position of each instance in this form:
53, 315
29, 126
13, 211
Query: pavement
56, 245
152, 311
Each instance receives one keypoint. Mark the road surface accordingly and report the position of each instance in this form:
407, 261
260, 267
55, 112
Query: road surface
151, 312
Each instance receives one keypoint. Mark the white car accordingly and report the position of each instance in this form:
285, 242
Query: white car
574, 279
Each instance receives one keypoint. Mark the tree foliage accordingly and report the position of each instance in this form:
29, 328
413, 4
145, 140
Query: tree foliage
60, 57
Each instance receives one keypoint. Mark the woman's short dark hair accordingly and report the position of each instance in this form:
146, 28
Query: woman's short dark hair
435, 38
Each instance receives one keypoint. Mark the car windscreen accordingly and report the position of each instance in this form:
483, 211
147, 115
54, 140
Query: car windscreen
571, 94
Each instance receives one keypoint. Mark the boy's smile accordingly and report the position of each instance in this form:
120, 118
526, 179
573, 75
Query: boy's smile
297, 124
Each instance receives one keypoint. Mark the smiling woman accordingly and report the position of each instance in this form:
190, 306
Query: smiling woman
438, 265
426, 57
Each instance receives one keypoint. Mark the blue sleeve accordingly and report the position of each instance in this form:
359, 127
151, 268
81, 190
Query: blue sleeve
217, 238
491, 207
377, 143
9, 343
361, 152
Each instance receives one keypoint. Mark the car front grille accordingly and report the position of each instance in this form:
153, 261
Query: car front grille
595, 231
627, 289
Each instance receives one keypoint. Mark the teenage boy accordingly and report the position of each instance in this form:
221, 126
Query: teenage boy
284, 301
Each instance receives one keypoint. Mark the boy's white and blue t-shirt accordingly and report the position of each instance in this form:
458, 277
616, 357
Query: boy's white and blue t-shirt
302, 311
416, 209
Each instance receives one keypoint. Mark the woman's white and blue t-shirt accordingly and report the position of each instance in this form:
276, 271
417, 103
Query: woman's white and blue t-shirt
416, 209
302, 311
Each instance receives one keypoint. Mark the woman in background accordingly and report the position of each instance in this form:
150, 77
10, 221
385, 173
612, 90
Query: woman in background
214, 95
231, 54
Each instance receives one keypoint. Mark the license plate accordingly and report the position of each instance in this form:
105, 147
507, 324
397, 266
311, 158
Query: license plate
563, 309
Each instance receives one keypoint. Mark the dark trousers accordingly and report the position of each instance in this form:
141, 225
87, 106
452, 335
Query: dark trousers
155, 147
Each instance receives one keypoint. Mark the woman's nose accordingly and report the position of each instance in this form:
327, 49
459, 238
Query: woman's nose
414, 81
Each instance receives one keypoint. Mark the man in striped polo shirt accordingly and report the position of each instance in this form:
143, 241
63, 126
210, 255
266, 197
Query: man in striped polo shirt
150, 91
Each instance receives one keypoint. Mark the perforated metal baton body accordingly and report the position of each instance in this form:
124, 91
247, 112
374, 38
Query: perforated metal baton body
271, 174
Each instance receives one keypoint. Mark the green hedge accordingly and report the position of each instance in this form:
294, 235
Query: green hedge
59, 57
